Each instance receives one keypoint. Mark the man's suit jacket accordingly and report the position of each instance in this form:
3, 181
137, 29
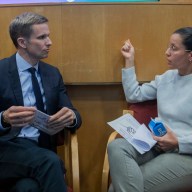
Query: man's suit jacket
55, 92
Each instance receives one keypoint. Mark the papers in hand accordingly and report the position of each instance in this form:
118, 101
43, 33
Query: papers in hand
40, 122
135, 133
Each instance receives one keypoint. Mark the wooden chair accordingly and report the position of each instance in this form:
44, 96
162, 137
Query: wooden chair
148, 109
71, 160
106, 173
142, 112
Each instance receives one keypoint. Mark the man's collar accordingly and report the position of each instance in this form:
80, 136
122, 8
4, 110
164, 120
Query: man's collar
22, 64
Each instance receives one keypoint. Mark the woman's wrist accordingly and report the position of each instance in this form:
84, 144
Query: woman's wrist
129, 63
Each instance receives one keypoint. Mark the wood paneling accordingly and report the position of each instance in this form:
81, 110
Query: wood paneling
87, 38
98, 105
94, 52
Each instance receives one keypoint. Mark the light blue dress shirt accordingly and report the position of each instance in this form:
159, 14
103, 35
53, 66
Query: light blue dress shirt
28, 94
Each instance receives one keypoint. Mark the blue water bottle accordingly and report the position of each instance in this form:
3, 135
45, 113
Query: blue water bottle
157, 128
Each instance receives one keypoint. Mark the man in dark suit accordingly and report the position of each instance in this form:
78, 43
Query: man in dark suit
27, 159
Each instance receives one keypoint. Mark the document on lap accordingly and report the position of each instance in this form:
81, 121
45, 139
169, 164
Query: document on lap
40, 122
135, 133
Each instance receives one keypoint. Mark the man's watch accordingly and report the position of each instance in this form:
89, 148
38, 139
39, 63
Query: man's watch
4, 123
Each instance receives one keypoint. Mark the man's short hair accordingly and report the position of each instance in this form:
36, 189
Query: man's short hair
21, 26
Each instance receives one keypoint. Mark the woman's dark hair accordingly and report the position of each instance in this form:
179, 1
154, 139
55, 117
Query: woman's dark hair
186, 34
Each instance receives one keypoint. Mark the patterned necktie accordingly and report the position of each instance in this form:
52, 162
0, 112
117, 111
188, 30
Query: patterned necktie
36, 89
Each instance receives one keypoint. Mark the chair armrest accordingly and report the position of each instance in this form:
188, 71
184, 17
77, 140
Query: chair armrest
75, 162
128, 111
71, 159
105, 173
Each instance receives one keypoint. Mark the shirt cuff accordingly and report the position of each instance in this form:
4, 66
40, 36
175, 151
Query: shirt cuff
1, 126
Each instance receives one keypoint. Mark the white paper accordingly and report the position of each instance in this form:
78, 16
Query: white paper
40, 122
135, 133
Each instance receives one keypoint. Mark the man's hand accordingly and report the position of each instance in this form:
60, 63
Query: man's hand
19, 116
63, 118
167, 142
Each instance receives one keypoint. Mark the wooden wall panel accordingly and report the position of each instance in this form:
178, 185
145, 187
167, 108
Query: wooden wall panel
93, 54
87, 38
98, 105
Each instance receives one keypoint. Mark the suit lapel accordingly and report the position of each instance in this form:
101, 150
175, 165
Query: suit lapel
15, 81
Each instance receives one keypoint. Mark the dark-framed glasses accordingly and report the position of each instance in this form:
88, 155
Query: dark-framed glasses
173, 48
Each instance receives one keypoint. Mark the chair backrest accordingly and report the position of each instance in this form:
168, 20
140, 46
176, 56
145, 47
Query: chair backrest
144, 111
69, 144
